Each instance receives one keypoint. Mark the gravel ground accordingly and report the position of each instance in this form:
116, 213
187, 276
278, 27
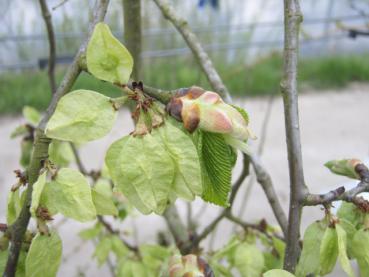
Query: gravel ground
333, 125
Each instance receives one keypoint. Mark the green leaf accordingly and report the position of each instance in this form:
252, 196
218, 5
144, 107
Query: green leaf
249, 260
21, 266
81, 116
350, 232
13, 207
216, 165
182, 151
344, 167
342, 251
360, 245
3, 259
44, 255
104, 205
143, 171
277, 273
153, 256
328, 251
351, 213
38, 187
69, 194
309, 262
243, 112
21, 130
60, 153
91, 233
118, 247
31, 115
130, 268
102, 250
107, 59
363, 267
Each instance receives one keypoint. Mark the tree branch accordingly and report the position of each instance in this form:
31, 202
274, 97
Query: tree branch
41, 144
133, 34
266, 183
52, 47
198, 51
340, 193
292, 19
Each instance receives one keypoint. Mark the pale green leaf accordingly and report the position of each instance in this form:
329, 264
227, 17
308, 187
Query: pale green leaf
328, 251
91, 233
187, 179
309, 262
107, 59
104, 205
351, 213
361, 244
31, 115
38, 187
350, 232
81, 116
44, 255
60, 153
13, 207
3, 259
153, 256
69, 194
143, 171
242, 112
130, 268
21, 266
249, 260
21, 130
103, 249
104, 187
216, 164
342, 251
118, 247
277, 273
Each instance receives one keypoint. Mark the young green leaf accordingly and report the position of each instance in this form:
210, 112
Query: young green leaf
360, 246
3, 259
309, 262
242, 111
37, 191
216, 167
69, 194
107, 59
143, 171
81, 116
44, 255
328, 251
351, 213
31, 115
103, 249
342, 251
91, 233
60, 153
13, 207
153, 256
249, 260
350, 232
179, 146
104, 205
131, 268
118, 247
277, 273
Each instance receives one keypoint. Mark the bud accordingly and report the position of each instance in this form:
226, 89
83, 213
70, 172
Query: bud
206, 110
346, 167
189, 266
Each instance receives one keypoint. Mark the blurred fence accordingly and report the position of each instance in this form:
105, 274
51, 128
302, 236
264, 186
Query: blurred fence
338, 37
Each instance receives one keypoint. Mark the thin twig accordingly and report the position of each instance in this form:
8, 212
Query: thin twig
52, 47
197, 49
59, 5
41, 145
292, 18
110, 229
77, 157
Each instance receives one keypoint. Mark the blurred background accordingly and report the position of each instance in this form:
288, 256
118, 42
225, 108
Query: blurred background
245, 40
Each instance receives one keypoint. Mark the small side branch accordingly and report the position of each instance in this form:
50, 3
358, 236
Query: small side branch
266, 183
52, 47
193, 43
